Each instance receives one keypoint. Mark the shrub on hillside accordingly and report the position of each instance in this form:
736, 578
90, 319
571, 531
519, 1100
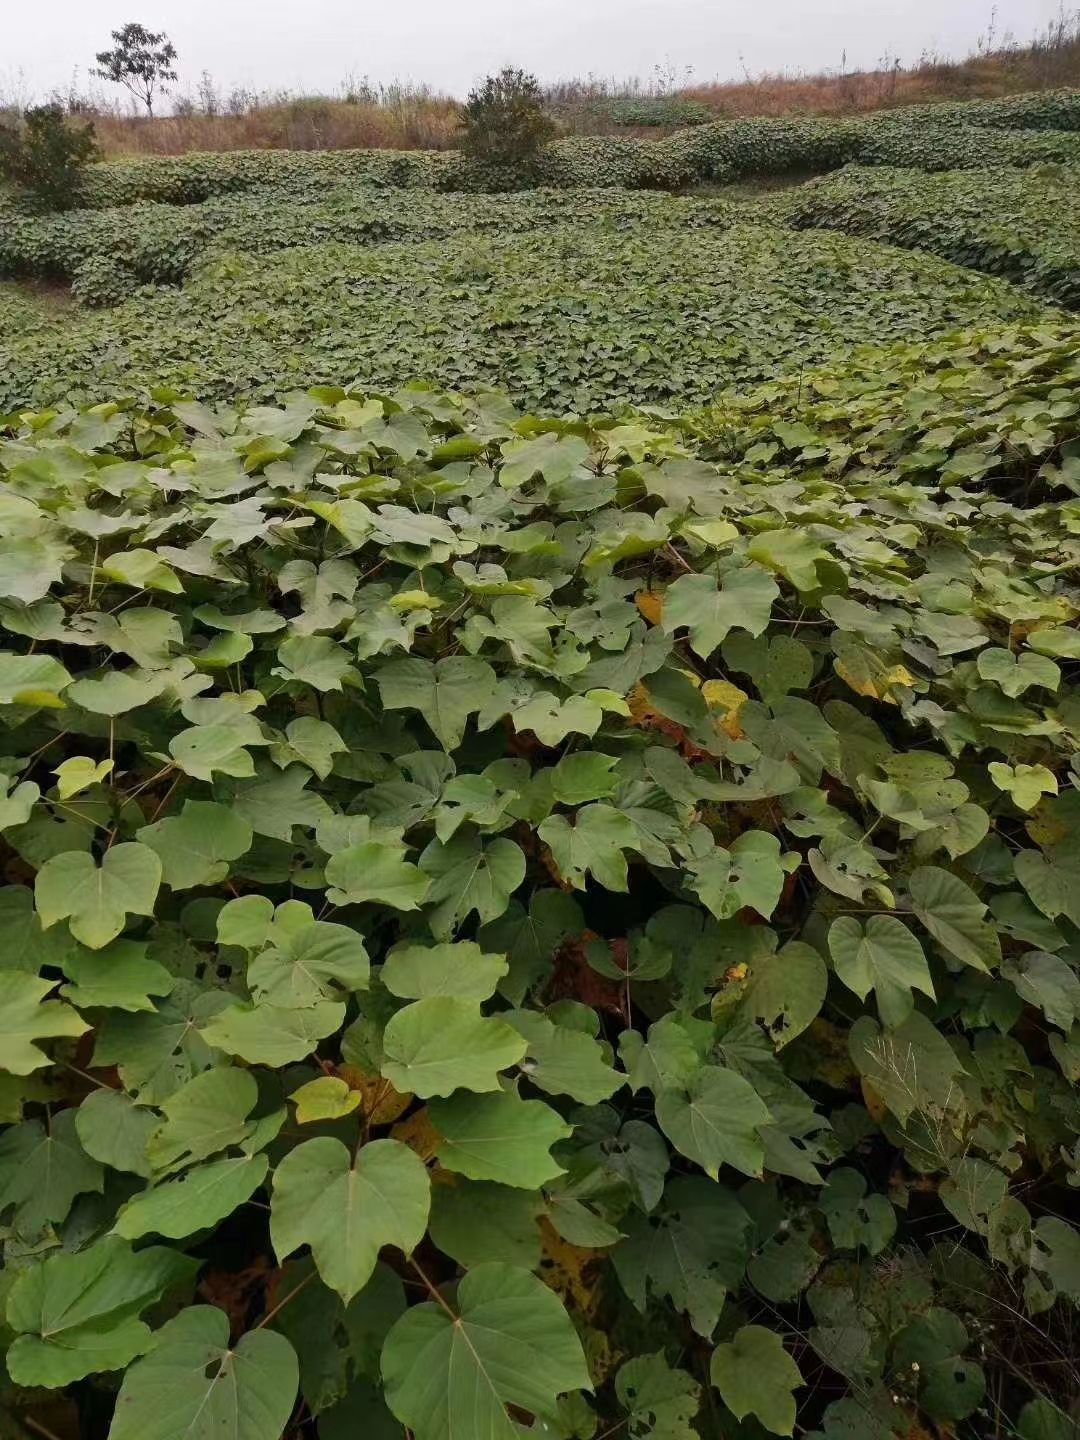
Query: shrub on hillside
503, 121
45, 153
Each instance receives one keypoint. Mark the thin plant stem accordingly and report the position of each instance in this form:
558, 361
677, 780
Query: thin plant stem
283, 1302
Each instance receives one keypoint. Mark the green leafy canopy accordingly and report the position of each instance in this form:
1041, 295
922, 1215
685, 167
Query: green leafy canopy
542, 919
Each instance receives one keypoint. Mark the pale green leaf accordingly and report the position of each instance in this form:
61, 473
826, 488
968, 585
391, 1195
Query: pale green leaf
77, 1314
142, 570
374, 872
198, 1199
118, 977
414, 972
204, 1116
743, 602
196, 846
884, 956
27, 1017
197, 1384
96, 900
115, 1130
32, 680
441, 1044
218, 748
756, 1376
347, 1208
511, 1345
272, 1034
315, 660
498, 1137
307, 961
564, 1061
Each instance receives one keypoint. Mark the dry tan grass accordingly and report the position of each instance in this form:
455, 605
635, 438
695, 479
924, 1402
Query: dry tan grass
300, 124
1050, 62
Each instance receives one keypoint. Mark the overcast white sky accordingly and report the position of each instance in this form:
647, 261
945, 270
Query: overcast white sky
314, 44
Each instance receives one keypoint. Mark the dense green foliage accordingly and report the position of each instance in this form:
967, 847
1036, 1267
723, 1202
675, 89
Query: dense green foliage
19, 312
44, 153
643, 855
725, 152
573, 316
109, 253
648, 112
1039, 110
188, 179
541, 794
1022, 224
503, 121
1020, 131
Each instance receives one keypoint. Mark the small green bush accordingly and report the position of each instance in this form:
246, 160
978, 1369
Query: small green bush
503, 121
45, 154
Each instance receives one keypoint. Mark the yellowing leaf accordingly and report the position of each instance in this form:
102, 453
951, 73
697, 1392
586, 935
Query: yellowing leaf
573, 1272
79, 773
1046, 827
382, 1104
723, 696
642, 712
878, 686
407, 600
1027, 784
326, 1098
875, 1105
650, 605
419, 1134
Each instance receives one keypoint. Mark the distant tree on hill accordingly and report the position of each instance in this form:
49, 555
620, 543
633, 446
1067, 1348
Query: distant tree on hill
141, 60
44, 152
503, 120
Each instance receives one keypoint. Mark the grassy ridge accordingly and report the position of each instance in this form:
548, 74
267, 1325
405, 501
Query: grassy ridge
1024, 225
106, 254
1018, 131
